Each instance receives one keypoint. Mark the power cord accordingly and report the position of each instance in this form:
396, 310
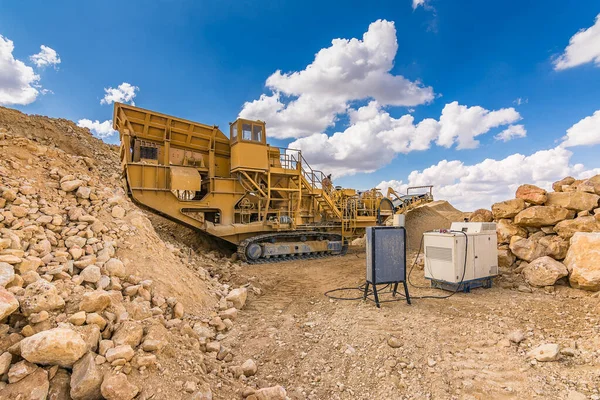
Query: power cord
380, 292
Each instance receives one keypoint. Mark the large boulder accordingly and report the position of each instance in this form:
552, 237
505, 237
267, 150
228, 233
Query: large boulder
58, 346
591, 185
527, 249
558, 185
130, 332
538, 216
60, 386
578, 201
238, 297
481, 215
544, 271
508, 208
556, 246
7, 273
583, 261
567, 228
41, 295
531, 194
505, 229
8, 303
505, 258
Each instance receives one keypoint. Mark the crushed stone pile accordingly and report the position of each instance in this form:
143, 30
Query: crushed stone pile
93, 303
553, 237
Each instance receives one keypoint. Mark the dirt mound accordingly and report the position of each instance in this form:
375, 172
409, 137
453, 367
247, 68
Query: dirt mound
83, 268
448, 211
423, 219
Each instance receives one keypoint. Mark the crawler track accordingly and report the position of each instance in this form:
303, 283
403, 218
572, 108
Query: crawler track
241, 250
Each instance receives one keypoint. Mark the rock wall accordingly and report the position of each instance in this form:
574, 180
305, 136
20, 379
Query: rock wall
547, 236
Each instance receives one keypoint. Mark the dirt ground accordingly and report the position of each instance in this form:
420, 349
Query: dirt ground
455, 348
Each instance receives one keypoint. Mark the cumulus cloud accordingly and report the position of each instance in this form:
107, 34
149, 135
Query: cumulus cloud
18, 82
512, 132
469, 187
584, 133
461, 124
124, 93
309, 101
101, 130
583, 48
47, 56
374, 137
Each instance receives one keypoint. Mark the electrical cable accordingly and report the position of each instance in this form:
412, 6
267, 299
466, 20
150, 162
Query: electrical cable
381, 292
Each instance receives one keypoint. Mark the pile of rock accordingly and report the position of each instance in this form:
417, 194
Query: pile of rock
74, 321
547, 236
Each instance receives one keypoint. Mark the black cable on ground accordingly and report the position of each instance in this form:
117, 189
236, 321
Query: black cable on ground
381, 292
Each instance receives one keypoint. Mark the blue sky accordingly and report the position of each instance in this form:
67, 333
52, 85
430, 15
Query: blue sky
203, 60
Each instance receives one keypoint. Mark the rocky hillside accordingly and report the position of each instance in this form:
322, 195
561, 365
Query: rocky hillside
93, 303
550, 237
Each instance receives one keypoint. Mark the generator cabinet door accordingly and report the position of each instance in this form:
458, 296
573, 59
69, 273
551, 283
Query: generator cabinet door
386, 254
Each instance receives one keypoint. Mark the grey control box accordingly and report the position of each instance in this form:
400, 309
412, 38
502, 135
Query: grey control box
386, 254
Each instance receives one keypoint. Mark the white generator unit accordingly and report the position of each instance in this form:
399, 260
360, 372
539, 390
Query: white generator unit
447, 250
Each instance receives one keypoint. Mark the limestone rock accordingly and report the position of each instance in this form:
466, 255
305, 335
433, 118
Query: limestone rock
527, 249
41, 296
508, 208
118, 212
556, 246
516, 336
544, 271
238, 297
95, 301
124, 351
583, 261
538, 216
86, 379
481, 215
204, 393
8, 303
91, 274
591, 185
532, 194
566, 229
557, 186
114, 267
69, 186
545, 352
578, 201
505, 229
117, 387
5, 360
7, 273
33, 387
156, 338
249, 367
20, 370
60, 386
78, 318
505, 258
271, 393
130, 332
58, 346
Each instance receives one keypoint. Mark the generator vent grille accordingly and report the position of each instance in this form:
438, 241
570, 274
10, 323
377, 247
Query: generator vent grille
439, 253
488, 226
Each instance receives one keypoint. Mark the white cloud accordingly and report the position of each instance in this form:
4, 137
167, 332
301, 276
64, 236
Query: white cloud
512, 132
124, 93
461, 124
47, 56
583, 48
101, 130
307, 102
374, 137
417, 3
584, 133
469, 187
18, 82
